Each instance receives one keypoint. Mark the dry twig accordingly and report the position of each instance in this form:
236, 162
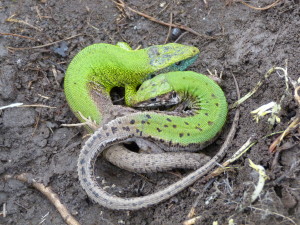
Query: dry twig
11, 19
294, 124
170, 28
273, 213
22, 105
53, 198
18, 35
121, 6
257, 86
263, 8
233, 158
45, 45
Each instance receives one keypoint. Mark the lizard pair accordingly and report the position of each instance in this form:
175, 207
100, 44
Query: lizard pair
192, 126
98, 68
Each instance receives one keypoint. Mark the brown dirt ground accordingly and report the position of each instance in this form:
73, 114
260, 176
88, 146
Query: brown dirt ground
32, 139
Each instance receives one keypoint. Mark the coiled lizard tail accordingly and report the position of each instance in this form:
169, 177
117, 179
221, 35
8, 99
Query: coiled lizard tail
100, 67
194, 128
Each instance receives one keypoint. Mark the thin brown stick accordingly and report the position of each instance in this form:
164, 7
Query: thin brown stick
264, 8
19, 104
10, 19
36, 123
45, 45
181, 35
39, 105
170, 28
53, 198
18, 35
287, 131
121, 5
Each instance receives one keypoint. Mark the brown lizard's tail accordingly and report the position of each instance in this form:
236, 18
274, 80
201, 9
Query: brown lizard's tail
117, 131
131, 161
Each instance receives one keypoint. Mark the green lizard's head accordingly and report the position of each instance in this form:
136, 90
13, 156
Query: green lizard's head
156, 92
171, 57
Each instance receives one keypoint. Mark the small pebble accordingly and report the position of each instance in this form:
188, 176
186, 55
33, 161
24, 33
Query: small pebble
176, 32
62, 49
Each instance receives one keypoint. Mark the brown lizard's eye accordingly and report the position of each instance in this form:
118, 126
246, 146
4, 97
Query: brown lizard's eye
174, 95
153, 99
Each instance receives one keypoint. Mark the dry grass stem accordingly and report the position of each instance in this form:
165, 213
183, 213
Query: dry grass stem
39, 105
11, 19
263, 8
170, 28
22, 105
45, 45
18, 35
273, 213
233, 158
294, 124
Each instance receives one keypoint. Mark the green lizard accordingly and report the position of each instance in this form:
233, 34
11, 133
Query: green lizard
100, 67
196, 126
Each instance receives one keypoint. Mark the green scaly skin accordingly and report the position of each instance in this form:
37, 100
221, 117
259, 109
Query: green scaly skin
194, 128
100, 67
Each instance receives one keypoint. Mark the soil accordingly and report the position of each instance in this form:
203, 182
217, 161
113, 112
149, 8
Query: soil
32, 140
